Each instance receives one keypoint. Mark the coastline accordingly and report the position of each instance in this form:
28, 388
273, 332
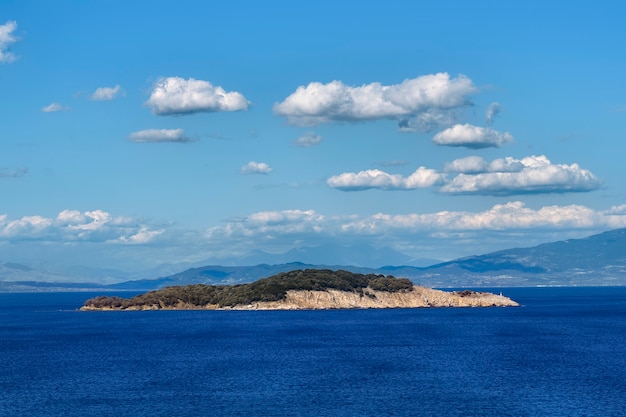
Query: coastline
417, 297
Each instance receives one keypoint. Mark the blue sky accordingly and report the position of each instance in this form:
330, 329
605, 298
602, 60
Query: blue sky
139, 133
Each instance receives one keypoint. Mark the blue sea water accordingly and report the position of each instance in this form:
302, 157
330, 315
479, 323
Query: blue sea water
562, 353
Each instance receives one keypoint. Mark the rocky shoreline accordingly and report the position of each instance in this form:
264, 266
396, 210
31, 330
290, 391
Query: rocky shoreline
418, 297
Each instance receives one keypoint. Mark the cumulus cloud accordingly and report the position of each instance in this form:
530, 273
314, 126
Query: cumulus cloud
6, 40
13, 172
439, 233
282, 227
106, 93
375, 178
308, 139
177, 96
74, 225
475, 175
54, 107
492, 111
510, 216
471, 136
253, 167
476, 165
272, 228
159, 136
509, 176
301, 224
139, 237
319, 103
467, 165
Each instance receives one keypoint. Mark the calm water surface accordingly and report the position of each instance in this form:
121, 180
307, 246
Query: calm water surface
563, 353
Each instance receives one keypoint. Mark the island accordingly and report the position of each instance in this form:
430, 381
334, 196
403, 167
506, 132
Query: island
309, 289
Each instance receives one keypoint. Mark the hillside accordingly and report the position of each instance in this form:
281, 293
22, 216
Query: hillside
596, 260
302, 289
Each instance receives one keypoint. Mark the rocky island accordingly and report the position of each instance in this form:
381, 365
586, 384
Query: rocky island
310, 289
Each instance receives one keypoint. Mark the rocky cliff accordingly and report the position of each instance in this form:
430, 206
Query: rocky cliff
418, 297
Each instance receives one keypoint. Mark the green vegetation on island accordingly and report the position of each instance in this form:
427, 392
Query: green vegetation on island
273, 288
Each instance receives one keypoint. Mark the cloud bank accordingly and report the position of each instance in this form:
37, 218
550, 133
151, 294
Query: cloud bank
319, 103
440, 234
375, 178
474, 175
177, 96
73, 225
101, 226
510, 216
253, 167
106, 93
470, 136
508, 176
159, 136
412, 230
6, 40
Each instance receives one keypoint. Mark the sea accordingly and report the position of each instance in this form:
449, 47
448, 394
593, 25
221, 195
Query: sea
561, 353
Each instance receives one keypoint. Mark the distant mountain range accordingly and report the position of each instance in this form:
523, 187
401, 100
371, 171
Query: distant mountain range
362, 254
596, 260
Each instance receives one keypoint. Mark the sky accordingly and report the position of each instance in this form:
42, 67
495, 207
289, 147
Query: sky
139, 133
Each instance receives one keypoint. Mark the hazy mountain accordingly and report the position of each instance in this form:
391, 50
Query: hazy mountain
362, 255
220, 275
10, 271
595, 260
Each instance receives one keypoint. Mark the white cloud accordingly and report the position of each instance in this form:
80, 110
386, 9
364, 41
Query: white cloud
467, 165
177, 96
508, 176
492, 111
106, 93
27, 226
471, 136
442, 234
54, 107
512, 221
476, 164
308, 139
6, 40
13, 173
375, 178
159, 136
510, 164
288, 221
503, 176
617, 210
253, 167
336, 102
73, 226
142, 236
270, 228
510, 216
